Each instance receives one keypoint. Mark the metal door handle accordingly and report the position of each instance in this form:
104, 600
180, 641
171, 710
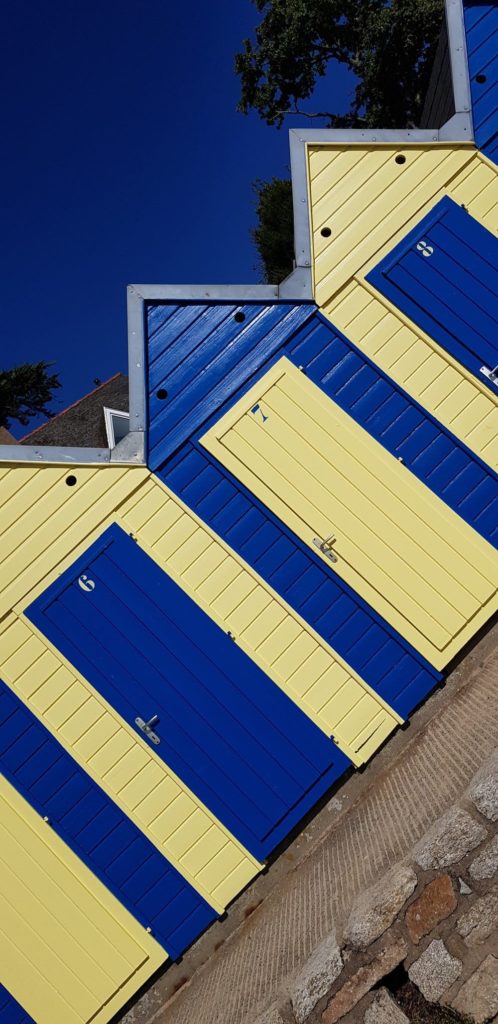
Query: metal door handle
325, 546
146, 727
491, 374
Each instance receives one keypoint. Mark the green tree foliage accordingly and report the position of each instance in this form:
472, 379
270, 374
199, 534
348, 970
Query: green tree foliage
26, 391
273, 236
388, 44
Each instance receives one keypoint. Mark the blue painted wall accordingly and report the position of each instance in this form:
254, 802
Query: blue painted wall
481, 26
449, 286
240, 744
97, 830
197, 354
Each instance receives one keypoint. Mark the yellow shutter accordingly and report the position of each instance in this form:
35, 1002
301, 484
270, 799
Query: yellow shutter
398, 545
69, 952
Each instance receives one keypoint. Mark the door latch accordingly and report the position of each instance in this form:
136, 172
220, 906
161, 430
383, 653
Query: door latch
146, 727
325, 546
492, 375
424, 247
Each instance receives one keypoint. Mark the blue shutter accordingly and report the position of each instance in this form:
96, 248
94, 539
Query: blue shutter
444, 275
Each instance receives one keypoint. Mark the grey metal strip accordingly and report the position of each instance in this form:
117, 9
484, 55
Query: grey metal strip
52, 453
136, 360
457, 129
130, 450
292, 287
457, 41
223, 292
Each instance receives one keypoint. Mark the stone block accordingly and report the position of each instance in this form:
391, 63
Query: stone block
483, 790
316, 977
478, 997
477, 924
435, 904
451, 837
271, 1016
364, 979
486, 863
383, 1010
434, 971
375, 910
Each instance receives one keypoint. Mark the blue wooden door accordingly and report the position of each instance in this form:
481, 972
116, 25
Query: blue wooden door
246, 750
444, 276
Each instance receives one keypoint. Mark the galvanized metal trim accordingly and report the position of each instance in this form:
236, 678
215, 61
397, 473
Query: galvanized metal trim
131, 449
459, 128
298, 285
211, 292
136, 361
291, 289
55, 454
299, 141
300, 198
457, 41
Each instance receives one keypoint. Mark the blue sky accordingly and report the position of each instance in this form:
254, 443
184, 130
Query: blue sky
125, 161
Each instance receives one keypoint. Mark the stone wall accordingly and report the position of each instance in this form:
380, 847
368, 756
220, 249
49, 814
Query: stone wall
433, 919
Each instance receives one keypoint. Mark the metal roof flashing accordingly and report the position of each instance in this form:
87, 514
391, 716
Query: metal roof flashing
129, 451
458, 129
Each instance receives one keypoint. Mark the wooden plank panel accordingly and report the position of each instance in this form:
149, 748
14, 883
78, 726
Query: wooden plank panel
398, 545
101, 749
466, 405
367, 208
70, 952
43, 521
260, 621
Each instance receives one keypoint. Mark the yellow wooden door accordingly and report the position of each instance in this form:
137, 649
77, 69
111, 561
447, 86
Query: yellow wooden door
69, 952
398, 545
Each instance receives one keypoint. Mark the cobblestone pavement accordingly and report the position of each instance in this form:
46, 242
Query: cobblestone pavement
419, 774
